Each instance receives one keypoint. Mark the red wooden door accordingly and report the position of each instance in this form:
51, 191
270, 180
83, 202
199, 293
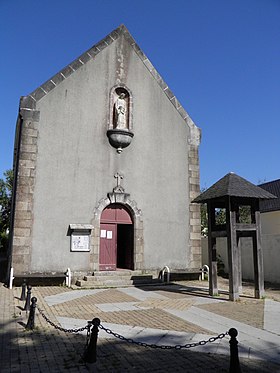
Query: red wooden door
116, 238
108, 247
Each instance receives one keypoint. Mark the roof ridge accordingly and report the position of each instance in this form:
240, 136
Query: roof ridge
68, 70
31, 99
270, 182
233, 185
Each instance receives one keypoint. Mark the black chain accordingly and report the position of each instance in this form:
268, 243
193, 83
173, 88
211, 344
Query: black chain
163, 347
59, 327
129, 340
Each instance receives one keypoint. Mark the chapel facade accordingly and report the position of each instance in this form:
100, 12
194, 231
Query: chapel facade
106, 166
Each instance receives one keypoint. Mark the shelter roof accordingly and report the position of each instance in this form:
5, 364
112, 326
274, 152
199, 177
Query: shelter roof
274, 204
234, 186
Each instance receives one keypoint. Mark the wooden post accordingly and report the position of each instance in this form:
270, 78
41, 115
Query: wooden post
258, 254
233, 257
212, 254
239, 264
258, 266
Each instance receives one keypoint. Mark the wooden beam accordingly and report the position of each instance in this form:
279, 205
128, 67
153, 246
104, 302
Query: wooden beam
245, 227
219, 233
245, 233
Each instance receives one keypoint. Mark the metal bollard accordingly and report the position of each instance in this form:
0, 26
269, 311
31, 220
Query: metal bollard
28, 299
31, 319
234, 360
90, 353
23, 291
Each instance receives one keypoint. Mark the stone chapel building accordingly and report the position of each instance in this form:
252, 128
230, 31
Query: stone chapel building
106, 166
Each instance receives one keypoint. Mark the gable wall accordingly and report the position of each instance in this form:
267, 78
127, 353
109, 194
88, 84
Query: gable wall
76, 165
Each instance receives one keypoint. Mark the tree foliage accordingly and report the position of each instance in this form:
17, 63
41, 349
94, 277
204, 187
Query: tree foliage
6, 186
204, 220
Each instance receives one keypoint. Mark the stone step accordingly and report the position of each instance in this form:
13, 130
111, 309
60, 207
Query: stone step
116, 279
118, 272
104, 283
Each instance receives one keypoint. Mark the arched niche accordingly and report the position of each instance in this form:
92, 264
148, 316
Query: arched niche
119, 131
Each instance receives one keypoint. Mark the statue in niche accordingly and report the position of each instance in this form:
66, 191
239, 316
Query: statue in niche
121, 111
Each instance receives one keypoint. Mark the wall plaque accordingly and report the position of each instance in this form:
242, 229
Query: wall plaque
79, 242
80, 237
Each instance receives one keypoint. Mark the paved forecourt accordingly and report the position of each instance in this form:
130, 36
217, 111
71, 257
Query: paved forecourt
170, 315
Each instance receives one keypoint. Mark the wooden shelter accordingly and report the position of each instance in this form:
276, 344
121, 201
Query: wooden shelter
231, 194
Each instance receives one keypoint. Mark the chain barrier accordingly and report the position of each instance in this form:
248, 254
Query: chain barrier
92, 327
63, 329
130, 340
163, 347
89, 356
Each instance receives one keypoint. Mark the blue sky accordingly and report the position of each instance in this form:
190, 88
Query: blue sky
221, 58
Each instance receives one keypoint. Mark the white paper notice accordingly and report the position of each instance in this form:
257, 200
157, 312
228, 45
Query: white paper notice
80, 243
103, 233
109, 235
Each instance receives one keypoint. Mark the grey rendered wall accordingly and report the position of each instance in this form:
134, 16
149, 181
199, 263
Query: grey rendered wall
76, 165
270, 222
270, 247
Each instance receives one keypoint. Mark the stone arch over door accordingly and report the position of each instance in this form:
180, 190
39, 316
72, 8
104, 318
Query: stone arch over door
138, 240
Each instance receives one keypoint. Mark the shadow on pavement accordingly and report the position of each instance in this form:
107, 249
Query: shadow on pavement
46, 349
51, 351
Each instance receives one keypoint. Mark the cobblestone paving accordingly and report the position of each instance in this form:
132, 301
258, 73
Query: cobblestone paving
250, 312
173, 294
152, 318
47, 350
45, 291
109, 296
126, 358
179, 304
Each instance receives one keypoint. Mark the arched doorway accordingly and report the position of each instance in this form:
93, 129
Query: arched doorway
116, 238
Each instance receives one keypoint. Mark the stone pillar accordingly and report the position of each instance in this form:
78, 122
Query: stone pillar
25, 169
194, 209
